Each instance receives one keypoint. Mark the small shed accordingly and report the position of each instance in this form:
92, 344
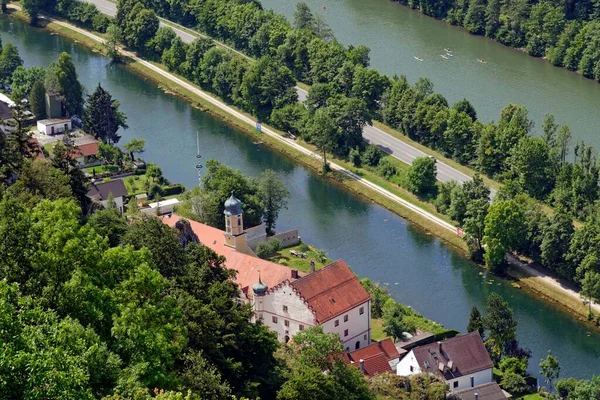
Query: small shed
54, 126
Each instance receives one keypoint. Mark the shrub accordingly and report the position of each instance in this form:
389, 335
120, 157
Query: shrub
170, 190
268, 248
303, 247
422, 176
386, 168
514, 383
371, 156
355, 157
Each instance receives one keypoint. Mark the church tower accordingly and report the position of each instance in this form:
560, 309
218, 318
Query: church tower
234, 225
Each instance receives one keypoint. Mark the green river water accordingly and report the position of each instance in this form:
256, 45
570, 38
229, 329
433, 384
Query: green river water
418, 269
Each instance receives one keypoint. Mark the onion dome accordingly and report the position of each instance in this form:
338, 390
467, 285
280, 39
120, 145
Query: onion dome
259, 288
233, 206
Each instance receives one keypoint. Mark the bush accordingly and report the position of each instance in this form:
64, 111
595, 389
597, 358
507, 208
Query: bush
303, 247
355, 157
386, 168
100, 22
268, 248
371, 156
170, 190
514, 364
422, 176
514, 383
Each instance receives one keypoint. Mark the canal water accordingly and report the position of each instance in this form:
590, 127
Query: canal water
396, 34
418, 269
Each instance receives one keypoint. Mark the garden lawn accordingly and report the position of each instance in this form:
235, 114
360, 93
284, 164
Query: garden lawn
285, 257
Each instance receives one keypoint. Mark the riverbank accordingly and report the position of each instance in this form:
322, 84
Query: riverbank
288, 147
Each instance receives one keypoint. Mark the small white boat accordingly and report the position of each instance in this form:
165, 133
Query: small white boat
444, 57
450, 54
418, 58
447, 50
482, 61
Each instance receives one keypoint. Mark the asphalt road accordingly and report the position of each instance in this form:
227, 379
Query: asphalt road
387, 143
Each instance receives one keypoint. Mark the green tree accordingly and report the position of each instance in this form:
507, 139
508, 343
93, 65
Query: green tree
135, 146
504, 231
23, 80
514, 383
500, 323
303, 17
37, 100
70, 90
322, 132
422, 176
474, 226
550, 368
140, 26
153, 171
555, 244
9, 61
530, 163
114, 35
274, 197
109, 224
394, 324
476, 322
102, 117
33, 8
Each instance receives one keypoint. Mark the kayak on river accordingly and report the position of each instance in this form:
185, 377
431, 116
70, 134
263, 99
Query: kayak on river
444, 57
418, 58
447, 50
482, 61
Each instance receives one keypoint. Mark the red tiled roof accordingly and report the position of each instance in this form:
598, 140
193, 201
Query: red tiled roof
466, 352
247, 266
487, 391
331, 291
88, 149
375, 365
385, 347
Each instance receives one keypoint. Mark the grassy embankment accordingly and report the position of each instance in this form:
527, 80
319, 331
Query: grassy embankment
356, 187
532, 284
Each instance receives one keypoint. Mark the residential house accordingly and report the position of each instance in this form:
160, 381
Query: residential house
286, 300
487, 391
101, 192
462, 361
81, 151
376, 358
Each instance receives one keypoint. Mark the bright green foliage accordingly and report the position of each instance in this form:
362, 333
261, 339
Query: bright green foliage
9, 61
550, 368
389, 386
504, 231
135, 146
514, 364
69, 88
422, 176
23, 80
268, 248
513, 383
393, 323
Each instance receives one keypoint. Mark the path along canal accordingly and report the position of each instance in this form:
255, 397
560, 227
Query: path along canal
395, 34
418, 269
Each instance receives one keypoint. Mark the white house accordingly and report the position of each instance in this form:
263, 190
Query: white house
53, 126
462, 361
286, 300
102, 191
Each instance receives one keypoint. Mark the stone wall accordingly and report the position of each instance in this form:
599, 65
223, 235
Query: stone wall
288, 238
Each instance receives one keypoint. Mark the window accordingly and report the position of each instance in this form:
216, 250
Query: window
337, 322
301, 327
472, 381
412, 369
286, 322
361, 311
260, 316
365, 337
274, 319
345, 318
284, 308
455, 385
346, 332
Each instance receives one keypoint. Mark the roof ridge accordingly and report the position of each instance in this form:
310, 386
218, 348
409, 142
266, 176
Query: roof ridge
328, 288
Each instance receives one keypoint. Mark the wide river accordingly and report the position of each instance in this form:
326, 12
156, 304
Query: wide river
418, 269
396, 34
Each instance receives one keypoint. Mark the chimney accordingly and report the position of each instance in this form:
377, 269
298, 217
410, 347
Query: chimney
439, 347
312, 266
361, 362
294, 274
476, 396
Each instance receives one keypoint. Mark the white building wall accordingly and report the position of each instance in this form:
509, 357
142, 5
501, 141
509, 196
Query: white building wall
59, 127
358, 327
272, 306
404, 366
464, 382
